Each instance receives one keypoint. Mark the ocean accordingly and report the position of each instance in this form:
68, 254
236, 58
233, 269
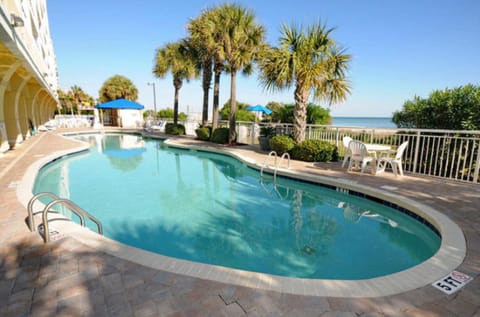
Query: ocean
367, 122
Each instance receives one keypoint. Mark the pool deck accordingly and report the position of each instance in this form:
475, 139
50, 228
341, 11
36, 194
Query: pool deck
69, 278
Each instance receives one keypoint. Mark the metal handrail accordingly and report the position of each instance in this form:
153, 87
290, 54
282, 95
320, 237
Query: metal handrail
81, 213
279, 163
272, 153
284, 155
276, 164
31, 219
75, 209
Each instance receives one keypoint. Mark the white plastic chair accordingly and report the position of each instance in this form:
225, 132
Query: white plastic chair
394, 161
361, 157
158, 126
347, 154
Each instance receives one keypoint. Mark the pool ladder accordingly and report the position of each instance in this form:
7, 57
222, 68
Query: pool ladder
277, 163
82, 214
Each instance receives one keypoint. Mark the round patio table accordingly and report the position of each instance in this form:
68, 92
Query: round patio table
377, 147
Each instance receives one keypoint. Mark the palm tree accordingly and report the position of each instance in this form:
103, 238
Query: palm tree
78, 96
239, 44
310, 61
118, 87
209, 29
177, 59
199, 40
66, 100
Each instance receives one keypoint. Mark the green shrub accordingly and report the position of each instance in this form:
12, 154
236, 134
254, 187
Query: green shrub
281, 144
203, 133
315, 151
220, 135
174, 129
449, 108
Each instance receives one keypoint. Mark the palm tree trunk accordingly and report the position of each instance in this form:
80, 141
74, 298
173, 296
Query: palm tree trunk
233, 106
175, 102
300, 114
216, 97
207, 79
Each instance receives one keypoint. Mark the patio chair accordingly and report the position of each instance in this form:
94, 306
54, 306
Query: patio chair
155, 126
394, 158
360, 157
347, 154
158, 126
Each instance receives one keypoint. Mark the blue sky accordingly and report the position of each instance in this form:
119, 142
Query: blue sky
400, 48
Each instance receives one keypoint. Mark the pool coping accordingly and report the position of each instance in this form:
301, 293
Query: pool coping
449, 256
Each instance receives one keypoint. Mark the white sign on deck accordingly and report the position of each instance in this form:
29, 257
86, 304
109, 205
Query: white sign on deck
452, 282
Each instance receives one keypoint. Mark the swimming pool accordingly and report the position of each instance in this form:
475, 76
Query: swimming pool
211, 208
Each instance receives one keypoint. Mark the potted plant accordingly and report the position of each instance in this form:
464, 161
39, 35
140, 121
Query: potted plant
266, 133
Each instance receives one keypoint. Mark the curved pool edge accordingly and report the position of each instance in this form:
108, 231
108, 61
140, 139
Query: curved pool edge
449, 256
25, 187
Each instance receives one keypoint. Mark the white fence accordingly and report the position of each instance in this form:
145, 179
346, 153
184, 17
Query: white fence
440, 153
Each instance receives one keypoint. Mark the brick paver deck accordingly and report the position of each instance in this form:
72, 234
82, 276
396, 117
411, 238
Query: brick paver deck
68, 278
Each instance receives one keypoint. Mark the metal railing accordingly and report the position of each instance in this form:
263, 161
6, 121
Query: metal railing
449, 154
81, 214
31, 212
265, 162
276, 164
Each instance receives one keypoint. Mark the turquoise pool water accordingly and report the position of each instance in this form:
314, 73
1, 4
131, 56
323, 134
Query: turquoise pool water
211, 208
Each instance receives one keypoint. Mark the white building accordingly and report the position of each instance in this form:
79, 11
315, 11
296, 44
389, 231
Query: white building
28, 70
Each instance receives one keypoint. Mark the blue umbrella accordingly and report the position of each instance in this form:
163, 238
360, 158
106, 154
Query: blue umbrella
259, 108
119, 104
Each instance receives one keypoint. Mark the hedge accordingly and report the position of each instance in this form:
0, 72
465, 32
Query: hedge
174, 129
314, 151
220, 135
203, 133
281, 144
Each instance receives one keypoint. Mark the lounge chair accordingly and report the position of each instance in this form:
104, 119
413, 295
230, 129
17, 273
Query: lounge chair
155, 126
394, 158
160, 125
